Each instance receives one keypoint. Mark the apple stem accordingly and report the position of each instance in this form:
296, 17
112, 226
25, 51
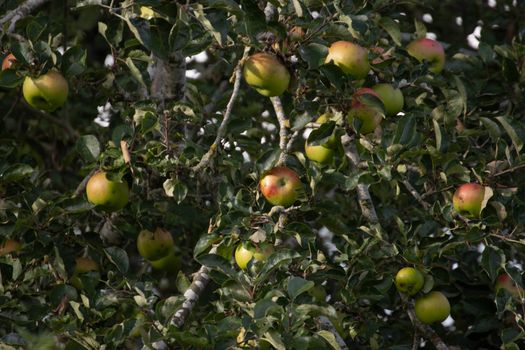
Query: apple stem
237, 74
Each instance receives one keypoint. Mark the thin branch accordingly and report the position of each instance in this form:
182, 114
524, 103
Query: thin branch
82, 186
510, 170
20, 12
327, 325
415, 194
237, 74
284, 124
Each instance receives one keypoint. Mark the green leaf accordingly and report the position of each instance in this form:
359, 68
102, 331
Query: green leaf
9, 79
204, 243
297, 286
276, 259
492, 127
74, 60
135, 72
215, 261
330, 339
516, 140
263, 307
492, 260
118, 257
88, 147
392, 28
201, 17
274, 338
175, 189
16, 172
321, 135
146, 36
313, 54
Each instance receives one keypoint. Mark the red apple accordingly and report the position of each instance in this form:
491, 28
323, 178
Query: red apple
8, 61
428, 50
370, 116
468, 199
505, 281
280, 186
350, 57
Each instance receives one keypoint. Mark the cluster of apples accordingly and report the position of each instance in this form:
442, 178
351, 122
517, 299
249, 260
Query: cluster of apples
429, 308
46, 92
159, 249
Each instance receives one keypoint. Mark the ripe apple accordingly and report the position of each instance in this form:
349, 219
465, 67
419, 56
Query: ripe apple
8, 61
428, 50
245, 252
468, 199
47, 92
370, 116
321, 153
505, 281
10, 246
280, 186
391, 97
154, 245
170, 263
350, 57
266, 74
409, 280
109, 195
83, 265
432, 307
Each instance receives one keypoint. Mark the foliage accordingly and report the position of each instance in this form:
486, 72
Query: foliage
466, 124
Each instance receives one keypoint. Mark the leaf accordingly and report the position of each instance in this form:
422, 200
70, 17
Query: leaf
330, 339
118, 257
176, 189
392, 28
201, 17
488, 194
298, 8
142, 30
228, 5
516, 140
297, 286
277, 258
274, 338
182, 282
313, 54
10, 79
462, 93
16, 172
204, 243
492, 260
135, 72
88, 147
405, 131
492, 127
322, 134
421, 29
215, 261
263, 307
74, 60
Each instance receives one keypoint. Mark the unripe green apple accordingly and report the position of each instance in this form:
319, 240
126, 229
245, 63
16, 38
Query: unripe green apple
8, 61
245, 252
428, 50
468, 199
266, 74
109, 195
409, 280
432, 307
505, 281
10, 246
370, 116
154, 245
47, 92
350, 57
170, 263
280, 186
392, 98
321, 153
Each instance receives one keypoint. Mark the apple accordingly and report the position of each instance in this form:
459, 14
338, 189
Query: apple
280, 186
47, 92
391, 97
409, 280
10, 246
468, 199
170, 263
266, 74
505, 281
245, 252
321, 153
109, 195
428, 50
8, 61
350, 57
432, 307
83, 265
296, 34
154, 245
370, 116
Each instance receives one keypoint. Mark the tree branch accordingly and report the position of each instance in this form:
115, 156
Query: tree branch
82, 185
426, 330
415, 194
283, 128
237, 74
327, 325
20, 12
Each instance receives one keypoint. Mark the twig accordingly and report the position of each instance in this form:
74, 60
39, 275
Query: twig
363, 195
192, 294
426, 331
283, 128
510, 170
20, 12
82, 185
415, 194
205, 160
327, 325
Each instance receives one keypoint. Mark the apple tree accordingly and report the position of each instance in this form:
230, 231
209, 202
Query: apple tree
223, 174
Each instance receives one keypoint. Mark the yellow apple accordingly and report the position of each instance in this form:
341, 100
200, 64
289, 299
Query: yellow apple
109, 195
47, 92
350, 57
266, 74
154, 245
245, 252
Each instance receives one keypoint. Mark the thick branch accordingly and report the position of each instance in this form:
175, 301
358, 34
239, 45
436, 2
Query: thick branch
205, 160
20, 12
283, 128
193, 293
168, 77
327, 325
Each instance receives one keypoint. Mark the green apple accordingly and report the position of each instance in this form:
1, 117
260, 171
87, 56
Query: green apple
391, 97
266, 74
409, 280
370, 116
170, 263
154, 245
350, 57
109, 195
246, 251
47, 92
280, 186
321, 153
468, 199
428, 50
432, 307
504, 281
10, 246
